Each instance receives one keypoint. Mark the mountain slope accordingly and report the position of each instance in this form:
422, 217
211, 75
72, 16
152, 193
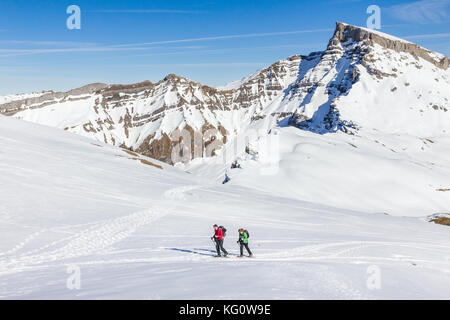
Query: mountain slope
146, 116
371, 172
362, 125
364, 78
136, 231
375, 81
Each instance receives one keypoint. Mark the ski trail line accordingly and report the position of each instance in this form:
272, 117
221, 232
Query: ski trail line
88, 241
180, 193
36, 234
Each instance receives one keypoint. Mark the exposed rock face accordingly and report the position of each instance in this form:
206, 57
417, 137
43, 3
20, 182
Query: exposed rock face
154, 118
49, 98
369, 60
345, 33
350, 84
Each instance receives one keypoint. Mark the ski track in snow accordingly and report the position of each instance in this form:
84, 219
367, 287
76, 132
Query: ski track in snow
351, 246
344, 251
95, 239
63, 229
302, 249
97, 236
180, 193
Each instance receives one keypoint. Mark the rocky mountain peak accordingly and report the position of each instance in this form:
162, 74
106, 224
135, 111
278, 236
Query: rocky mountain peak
345, 33
175, 78
361, 78
126, 88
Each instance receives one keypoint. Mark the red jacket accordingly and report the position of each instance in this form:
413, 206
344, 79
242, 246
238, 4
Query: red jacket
218, 233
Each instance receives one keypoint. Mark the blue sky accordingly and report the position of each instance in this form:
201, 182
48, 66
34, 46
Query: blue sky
212, 42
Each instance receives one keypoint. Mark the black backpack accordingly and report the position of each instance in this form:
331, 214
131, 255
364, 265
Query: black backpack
248, 234
224, 230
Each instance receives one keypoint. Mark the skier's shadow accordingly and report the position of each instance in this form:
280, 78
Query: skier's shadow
214, 251
198, 251
193, 252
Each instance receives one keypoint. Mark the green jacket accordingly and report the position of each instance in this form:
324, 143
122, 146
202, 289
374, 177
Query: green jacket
243, 237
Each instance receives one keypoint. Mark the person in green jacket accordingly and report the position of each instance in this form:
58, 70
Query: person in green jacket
243, 242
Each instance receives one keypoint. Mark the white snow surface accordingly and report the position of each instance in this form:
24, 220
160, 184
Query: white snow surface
139, 232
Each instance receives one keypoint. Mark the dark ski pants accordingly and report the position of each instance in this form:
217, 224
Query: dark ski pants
219, 246
246, 247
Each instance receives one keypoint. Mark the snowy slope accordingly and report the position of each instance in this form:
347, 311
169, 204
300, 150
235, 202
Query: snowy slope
363, 125
145, 116
373, 132
140, 231
238, 83
371, 172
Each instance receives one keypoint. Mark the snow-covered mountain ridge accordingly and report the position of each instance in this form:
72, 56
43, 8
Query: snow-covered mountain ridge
364, 78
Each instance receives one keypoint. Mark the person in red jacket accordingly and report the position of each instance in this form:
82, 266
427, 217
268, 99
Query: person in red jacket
218, 238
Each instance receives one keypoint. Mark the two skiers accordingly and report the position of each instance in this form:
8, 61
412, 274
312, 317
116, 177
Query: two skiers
219, 234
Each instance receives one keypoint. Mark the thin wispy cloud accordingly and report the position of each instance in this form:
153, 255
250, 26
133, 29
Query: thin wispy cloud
424, 11
225, 50
23, 52
141, 45
144, 11
234, 36
184, 50
428, 36
204, 65
341, 2
47, 43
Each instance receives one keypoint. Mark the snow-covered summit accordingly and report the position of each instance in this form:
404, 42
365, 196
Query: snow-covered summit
343, 25
364, 78
345, 32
